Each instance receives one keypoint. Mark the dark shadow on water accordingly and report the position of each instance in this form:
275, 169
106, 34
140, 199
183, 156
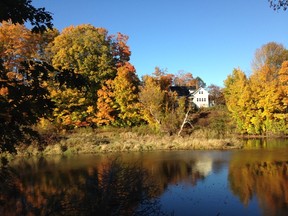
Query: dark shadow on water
112, 189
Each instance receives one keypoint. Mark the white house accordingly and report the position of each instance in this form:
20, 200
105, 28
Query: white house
200, 97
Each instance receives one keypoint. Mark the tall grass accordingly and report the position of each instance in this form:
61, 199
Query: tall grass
87, 140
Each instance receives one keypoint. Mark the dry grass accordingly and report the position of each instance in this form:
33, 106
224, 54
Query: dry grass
84, 141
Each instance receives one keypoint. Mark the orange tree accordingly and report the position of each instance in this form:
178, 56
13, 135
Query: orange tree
24, 97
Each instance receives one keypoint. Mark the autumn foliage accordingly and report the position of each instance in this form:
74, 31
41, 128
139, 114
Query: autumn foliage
258, 103
83, 77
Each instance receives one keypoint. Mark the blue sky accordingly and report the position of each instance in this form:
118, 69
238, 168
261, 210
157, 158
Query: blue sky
208, 38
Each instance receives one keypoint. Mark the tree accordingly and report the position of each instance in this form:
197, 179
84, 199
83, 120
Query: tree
283, 80
278, 4
152, 97
44, 41
259, 104
184, 79
21, 11
265, 93
126, 89
24, 99
272, 55
161, 108
235, 85
106, 113
118, 102
18, 44
96, 56
216, 95
200, 82
23, 95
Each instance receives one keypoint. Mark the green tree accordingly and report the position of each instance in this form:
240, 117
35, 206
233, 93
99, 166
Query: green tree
200, 82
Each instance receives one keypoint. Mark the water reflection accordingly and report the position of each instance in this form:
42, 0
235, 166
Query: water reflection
262, 175
111, 189
251, 181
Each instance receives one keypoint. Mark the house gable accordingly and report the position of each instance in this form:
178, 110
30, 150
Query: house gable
200, 97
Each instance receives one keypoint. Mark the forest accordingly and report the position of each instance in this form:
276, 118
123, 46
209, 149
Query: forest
83, 77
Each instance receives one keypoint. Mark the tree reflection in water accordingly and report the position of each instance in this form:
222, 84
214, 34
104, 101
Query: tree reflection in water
266, 180
112, 189
183, 183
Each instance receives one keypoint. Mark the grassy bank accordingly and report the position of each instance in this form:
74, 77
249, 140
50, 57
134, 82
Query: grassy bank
87, 140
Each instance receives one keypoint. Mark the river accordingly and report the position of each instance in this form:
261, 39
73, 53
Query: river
249, 181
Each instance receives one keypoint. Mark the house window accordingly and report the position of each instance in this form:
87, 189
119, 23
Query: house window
204, 99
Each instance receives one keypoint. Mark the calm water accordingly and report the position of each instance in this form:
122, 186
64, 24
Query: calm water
250, 181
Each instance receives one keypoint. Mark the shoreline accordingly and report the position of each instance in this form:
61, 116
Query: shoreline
93, 143
89, 141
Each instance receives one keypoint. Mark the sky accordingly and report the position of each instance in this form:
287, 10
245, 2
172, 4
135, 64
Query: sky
208, 38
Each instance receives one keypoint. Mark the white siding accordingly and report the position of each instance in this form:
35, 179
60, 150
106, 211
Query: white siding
201, 98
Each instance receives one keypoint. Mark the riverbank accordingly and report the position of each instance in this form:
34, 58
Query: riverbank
90, 141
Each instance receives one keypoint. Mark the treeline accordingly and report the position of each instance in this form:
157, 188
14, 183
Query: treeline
80, 77
83, 77
259, 103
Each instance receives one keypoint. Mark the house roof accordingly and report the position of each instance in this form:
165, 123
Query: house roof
180, 90
201, 88
183, 90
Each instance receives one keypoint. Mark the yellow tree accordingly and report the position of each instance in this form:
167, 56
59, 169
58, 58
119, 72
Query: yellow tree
152, 97
126, 89
118, 101
161, 108
235, 84
283, 81
267, 96
283, 86
267, 89
86, 50
93, 54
